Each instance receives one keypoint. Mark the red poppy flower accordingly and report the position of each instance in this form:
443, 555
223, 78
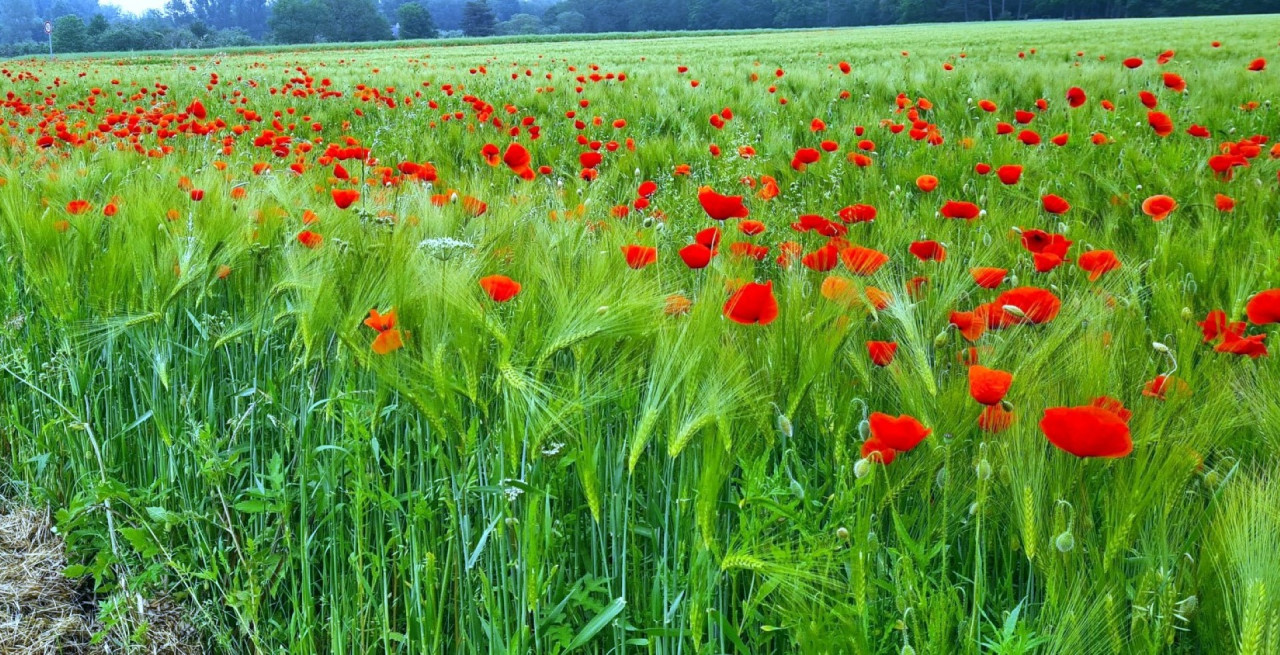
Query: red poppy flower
863, 261
882, 352
1162, 385
1235, 344
751, 228
1264, 308
752, 304
970, 324
1009, 173
310, 239
901, 434
76, 207
381, 322
1224, 203
517, 159
928, 251
1076, 97
1158, 207
960, 209
1160, 122
987, 385
1132, 62
1036, 305
988, 278
1039, 241
1216, 326
927, 183
1175, 82
721, 207
344, 198
1055, 204
387, 341
1097, 262
696, 255
1087, 431
639, 257
994, 419
823, 259
1258, 64
1148, 99
857, 214
500, 287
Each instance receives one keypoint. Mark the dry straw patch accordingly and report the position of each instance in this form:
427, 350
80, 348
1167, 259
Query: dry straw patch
41, 611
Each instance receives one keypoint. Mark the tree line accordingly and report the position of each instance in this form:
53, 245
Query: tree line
87, 25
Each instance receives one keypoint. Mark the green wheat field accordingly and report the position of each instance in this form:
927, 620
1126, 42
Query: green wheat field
472, 349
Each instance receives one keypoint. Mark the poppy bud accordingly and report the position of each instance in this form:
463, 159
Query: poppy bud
797, 490
1014, 310
1006, 405
973, 508
1064, 542
907, 650
784, 426
843, 534
1186, 314
941, 478
942, 339
864, 429
1160, 347
984, 470
863, 466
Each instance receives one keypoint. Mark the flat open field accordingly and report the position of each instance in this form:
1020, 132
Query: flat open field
941, 339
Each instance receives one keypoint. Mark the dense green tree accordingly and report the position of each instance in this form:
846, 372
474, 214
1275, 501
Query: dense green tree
415, 22
355, 20
70, 34
297, 21
478, 19
520, 24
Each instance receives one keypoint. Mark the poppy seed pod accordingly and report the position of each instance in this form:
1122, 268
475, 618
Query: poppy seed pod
1064, 542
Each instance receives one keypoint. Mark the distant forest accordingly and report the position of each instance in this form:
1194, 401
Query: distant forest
86, 25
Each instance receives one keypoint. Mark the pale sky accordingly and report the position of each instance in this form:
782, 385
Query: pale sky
135, 6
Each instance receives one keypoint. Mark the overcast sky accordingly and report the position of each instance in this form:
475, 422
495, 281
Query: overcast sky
135, 6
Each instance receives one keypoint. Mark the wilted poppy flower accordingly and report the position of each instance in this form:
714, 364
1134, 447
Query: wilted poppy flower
882, 352
344, 198
901, 434
639, 257
500, 287
1158, 207
1097, 262
987, 385
721, 207
1055, 204
1087, 431
676, 305
988, 278
1264, 308
752, 304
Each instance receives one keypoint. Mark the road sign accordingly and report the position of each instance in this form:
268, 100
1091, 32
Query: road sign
48, 27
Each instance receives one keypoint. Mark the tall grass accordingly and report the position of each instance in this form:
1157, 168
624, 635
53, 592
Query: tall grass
576, 471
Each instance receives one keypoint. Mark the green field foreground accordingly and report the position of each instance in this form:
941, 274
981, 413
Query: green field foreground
611, 460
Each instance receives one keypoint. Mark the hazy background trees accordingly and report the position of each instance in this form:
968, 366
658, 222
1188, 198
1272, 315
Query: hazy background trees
88, 25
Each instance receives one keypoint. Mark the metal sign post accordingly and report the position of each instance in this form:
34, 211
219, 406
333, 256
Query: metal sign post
48, 31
